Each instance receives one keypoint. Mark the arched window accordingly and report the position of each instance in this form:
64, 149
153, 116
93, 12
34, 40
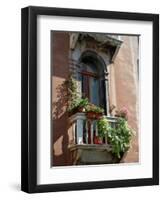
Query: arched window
92, 77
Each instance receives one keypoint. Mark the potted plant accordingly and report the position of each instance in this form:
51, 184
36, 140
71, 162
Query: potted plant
75, 103
93, 111
98, 140
78, 105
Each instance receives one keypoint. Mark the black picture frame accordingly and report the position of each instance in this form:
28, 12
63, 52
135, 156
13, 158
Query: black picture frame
29, 99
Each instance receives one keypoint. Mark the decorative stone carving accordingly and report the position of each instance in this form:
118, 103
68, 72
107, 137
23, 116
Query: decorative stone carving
99, 42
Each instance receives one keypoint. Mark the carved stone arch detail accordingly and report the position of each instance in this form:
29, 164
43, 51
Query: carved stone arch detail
96, 57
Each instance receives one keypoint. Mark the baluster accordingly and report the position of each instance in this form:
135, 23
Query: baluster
106, 138
91, 122
86, 131
79, 131
96, 130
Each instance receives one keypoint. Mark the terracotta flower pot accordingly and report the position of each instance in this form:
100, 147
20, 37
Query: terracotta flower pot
76, 110
98, 140
94, 115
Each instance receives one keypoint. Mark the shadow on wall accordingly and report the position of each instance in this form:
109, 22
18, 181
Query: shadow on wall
59, 128
59, 106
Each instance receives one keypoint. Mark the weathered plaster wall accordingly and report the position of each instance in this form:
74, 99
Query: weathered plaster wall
124, 88
60, 70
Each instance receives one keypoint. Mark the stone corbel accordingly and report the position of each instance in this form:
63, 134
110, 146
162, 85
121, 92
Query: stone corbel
115, 53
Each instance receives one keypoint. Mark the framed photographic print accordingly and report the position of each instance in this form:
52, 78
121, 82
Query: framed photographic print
90, 99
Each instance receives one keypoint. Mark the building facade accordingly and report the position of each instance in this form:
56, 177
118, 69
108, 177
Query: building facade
106, 70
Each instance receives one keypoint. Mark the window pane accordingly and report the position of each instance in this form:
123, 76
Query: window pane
91, 68
85, 86
94, 90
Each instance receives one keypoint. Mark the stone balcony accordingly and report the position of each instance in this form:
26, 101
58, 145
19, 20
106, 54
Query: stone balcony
83, 149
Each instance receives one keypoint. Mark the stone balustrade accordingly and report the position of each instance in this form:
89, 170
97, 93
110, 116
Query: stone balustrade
84, 129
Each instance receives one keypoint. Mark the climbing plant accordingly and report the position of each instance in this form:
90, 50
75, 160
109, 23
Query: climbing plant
120, 136
72, 94
103, 127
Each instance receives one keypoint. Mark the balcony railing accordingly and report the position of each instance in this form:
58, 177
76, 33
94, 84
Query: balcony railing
84, 130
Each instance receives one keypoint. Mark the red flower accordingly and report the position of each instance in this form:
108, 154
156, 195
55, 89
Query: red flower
97, 140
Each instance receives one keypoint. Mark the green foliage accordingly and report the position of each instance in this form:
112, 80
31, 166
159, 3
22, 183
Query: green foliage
78, 103
93, 108
82, 102
120, 137
103, 127
72, 96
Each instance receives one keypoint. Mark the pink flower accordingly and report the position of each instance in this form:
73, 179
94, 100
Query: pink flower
124, 110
